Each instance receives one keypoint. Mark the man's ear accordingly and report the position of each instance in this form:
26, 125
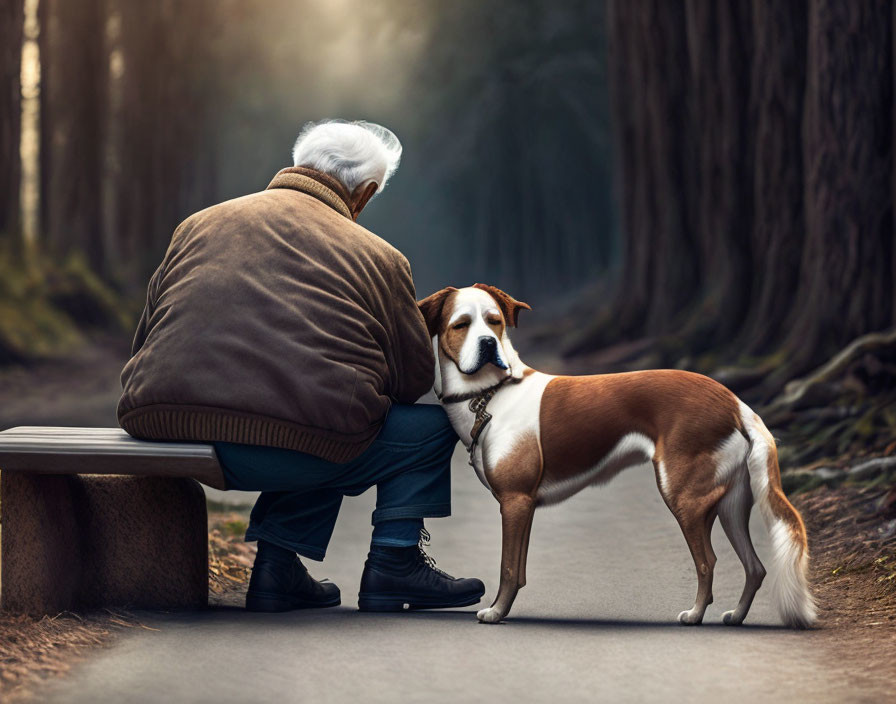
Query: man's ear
361, 197
510, 307
431, 307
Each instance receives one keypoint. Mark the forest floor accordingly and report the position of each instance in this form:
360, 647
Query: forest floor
852, 532
852, 545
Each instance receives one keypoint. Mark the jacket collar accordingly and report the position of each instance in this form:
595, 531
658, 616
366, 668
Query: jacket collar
314, 183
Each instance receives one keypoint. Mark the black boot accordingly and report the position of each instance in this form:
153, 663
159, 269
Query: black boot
280, 582
394, 577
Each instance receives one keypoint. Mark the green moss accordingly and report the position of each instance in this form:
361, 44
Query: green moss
864, 427
235, 528
46, 307
75, 289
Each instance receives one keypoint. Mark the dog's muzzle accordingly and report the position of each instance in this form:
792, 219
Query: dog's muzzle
488, 354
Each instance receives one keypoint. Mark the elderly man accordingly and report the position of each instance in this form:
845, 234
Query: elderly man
289, 336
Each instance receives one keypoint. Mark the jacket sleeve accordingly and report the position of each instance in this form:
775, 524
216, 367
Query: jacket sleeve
413, 356
152, 292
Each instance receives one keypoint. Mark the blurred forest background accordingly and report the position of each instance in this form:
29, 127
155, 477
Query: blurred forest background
696, 184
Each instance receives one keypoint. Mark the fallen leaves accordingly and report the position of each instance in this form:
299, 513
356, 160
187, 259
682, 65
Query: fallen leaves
853, 562
229, 557
33, 649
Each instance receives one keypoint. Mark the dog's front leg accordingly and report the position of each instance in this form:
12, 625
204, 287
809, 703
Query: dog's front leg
516, 522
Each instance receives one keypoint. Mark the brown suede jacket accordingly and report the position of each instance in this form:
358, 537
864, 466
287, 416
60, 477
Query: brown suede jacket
274, 319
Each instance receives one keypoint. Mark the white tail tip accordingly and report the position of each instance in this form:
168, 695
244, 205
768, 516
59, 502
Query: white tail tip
790, 587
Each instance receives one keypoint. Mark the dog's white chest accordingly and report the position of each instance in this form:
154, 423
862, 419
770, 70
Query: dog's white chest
515, 413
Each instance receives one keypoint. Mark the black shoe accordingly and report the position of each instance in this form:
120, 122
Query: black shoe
395, 577
280, 582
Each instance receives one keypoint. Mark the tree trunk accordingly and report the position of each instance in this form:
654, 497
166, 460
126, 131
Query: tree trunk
720, 41
628, 70
846, 286
778, 85
142, 41
680, 81
12, 25
74, 110
649, 75
44, 137
164, 103
669, 235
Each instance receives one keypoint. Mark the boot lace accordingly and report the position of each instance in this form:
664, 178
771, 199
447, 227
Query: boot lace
427, 559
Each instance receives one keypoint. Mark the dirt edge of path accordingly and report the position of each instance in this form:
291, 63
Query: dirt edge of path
852, 550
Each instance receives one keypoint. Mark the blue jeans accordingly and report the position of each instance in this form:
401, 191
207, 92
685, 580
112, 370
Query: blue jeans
409, 462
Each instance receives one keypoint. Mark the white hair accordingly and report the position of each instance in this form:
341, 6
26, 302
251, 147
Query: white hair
351, 152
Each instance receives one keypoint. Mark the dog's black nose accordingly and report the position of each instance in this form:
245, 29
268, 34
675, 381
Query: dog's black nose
487, 343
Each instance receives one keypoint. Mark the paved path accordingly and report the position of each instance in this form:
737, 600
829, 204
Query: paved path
608, 573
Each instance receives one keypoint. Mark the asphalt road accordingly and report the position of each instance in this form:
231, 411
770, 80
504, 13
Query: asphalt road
608, 573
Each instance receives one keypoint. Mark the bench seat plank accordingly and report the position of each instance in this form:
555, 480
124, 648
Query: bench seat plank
64, 450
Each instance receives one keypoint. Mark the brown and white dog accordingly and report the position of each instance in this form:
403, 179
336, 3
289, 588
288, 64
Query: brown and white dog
537, 439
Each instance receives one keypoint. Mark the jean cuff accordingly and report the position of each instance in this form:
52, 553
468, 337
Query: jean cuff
393, 542
312, 552
420, 511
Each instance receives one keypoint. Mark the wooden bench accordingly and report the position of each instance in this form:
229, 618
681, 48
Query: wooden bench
92, 517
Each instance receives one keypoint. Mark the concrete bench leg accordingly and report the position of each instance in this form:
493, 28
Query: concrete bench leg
88, 541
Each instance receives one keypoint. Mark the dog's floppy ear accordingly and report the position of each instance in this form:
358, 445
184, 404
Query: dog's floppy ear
431, 307
510, 307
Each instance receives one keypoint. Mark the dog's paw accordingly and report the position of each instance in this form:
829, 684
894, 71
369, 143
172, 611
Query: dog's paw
490, 615
690, 618
729, 619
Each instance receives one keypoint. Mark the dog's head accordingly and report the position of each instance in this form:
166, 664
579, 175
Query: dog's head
470, 327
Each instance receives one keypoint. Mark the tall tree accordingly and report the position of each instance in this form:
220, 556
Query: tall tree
650, 83
74, 108
165, 96
680, 82
791, 123
12, 25
777, 88
720, 44
846, 285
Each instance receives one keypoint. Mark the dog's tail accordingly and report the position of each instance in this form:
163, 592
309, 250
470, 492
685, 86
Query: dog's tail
790, 588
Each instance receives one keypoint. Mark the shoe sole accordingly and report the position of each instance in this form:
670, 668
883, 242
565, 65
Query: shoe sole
397, 602
271, 603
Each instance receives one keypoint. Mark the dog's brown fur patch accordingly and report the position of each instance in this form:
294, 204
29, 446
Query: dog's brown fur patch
519, 471
583, 418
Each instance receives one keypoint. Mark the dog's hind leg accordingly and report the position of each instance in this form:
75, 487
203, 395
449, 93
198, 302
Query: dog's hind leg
707, 537
695, 512
516, 521
734, 515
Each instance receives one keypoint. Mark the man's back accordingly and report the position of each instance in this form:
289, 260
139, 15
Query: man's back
281, 331
276, 320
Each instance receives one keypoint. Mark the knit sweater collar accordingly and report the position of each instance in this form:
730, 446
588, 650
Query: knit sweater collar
314, 183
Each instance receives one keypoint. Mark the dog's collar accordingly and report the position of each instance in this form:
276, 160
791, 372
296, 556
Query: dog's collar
480, 393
